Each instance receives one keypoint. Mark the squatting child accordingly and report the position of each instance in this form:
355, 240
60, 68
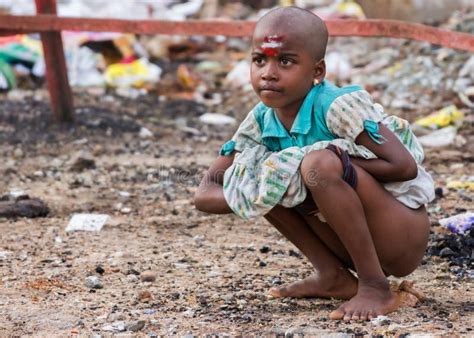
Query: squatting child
328, 168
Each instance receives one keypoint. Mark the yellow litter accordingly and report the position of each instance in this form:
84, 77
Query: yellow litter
449, 115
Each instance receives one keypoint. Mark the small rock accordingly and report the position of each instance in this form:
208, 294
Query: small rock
144, 296
439, 192
446, 252
114, 327
100, 270
18, 153
148, 276
145, 133
93, 282
115, 316
82, 162
132, 278
135, 325
381, 320
264, 249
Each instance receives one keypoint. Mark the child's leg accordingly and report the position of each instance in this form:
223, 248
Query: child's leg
379, 233
331, 280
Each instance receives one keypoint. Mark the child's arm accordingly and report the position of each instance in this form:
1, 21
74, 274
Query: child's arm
210, 195
394, 162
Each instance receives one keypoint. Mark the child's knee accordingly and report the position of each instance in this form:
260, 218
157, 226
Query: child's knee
319, 164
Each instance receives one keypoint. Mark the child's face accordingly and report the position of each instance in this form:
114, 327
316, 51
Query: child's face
282, 70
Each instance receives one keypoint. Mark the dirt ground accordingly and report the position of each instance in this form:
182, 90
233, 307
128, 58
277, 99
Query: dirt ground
212, 272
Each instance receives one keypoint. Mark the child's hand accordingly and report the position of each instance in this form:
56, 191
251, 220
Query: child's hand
393, 164
210, 194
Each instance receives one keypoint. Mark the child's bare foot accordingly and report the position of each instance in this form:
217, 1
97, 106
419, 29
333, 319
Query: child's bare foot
341, 285
371, 300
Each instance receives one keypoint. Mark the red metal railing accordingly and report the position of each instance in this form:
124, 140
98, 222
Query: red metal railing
50, 27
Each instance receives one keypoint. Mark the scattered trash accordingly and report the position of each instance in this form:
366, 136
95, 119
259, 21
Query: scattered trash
135, 74
216, 119
459, 224
87, 222
239, 76
7, 76
439, 138
467, 97
462, 185
449, 115
338, 67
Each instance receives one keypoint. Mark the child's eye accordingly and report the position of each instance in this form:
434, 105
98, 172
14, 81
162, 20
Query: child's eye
286, 62
258, 60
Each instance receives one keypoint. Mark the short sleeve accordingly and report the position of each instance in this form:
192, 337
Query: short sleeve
350, 114
248, 135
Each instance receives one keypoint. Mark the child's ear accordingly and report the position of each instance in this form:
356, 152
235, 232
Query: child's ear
319, 71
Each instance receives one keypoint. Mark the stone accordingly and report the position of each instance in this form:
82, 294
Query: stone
93, 282
148, 276
144, 296
135, 325
83, 161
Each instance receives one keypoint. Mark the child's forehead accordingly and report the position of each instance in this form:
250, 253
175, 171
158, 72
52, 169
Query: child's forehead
277, 39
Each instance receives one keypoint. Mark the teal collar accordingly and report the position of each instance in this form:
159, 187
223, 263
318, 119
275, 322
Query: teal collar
272, 126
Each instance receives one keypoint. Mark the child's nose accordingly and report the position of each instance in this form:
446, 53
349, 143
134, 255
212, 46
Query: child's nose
270, 72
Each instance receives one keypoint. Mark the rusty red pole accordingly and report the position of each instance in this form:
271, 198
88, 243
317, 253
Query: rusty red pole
56, 72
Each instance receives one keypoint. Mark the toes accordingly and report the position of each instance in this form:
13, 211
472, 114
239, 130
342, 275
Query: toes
277, 292
371, 315
363, 316
348, 316
355, 315
338, 313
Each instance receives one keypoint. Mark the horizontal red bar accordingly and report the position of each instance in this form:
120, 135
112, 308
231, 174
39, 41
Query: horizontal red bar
365, 28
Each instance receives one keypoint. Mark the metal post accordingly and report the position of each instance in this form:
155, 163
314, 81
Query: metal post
56, 71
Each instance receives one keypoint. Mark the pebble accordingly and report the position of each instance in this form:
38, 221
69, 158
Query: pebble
132, 278
18, 153
82, 162
115, 316
100, 270
144, 296
114, 327
93, 282
135, 325
148, 276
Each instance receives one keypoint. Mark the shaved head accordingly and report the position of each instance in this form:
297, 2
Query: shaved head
298, 23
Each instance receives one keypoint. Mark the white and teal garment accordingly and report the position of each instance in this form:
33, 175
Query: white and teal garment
265, 170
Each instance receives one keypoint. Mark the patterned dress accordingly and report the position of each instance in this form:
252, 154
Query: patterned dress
265, 171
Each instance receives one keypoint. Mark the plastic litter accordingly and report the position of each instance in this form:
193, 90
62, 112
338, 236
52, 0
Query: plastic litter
87, 222
135, 74
439, 138
338, 66
216, 119
82, 67
449, 115
459, 224
7, 76
461, 185
239, 76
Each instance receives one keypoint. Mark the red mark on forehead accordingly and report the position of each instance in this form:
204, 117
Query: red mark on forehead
271, 44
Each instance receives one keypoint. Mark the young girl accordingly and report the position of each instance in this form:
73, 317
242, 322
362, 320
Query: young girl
335, 175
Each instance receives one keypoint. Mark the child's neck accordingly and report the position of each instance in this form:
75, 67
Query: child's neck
287, 115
